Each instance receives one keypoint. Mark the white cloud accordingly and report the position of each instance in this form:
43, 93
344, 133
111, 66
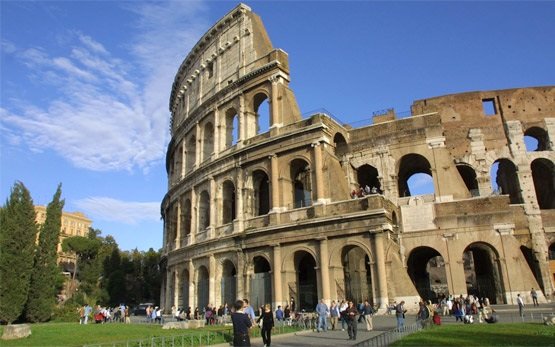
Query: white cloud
132, 213
106, 113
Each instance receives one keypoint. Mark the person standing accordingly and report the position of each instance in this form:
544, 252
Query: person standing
520, 305
267, 325
534, 296
334, 314
248, 310
279, 315
342, 313
400, 315
351, 314
368, 312
241, 324
322, 310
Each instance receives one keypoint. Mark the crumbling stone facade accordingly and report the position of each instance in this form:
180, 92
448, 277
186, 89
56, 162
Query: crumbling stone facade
267, 214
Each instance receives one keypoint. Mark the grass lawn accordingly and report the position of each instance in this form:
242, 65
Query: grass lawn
526, 334
73, 334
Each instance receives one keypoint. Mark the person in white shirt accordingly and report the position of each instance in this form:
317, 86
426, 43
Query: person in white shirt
520, 305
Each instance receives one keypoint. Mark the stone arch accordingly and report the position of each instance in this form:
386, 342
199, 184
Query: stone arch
191, 153
203, 286
228, 202
261, 192
536, 136
185, 282
357, 273
543, 174
482, 269
301, 180
306, 277
426, 269
228, 282
207, 141
506, 180
410, 165
367, 175
231, 127
340, 145
203, 211
261, 281
261, 108
468, 174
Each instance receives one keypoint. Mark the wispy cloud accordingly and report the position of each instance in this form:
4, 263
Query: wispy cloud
104, 112
132, 213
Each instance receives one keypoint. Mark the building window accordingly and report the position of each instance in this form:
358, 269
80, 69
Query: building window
489, 107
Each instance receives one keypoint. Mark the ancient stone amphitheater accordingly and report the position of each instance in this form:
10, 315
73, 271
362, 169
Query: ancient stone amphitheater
260, 200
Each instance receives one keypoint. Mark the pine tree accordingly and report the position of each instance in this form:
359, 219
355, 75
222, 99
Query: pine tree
18, 232
43, 289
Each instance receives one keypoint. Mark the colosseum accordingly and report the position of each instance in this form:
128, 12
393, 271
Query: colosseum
266, 204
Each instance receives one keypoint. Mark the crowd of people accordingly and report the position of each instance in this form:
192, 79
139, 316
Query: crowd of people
102, 314
360, 191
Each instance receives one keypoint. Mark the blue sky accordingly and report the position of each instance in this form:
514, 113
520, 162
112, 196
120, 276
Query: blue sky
85, 85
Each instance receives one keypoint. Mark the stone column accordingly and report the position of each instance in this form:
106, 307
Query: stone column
194, 216
212, 281
168, 297
275, 120
213, 204
240, 275
192, 299
318, 173
217, 130
325, 270
176, 288
382, 298
242, 121
275, 182
198, 146
276, 271
178, 225
239, 196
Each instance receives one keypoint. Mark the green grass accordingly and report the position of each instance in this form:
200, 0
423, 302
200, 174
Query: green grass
73, 334
527, 334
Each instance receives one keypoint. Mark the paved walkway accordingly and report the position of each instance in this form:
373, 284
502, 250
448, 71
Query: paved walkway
382, 323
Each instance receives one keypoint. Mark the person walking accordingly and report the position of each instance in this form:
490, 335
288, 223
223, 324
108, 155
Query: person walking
368, 311
351, 314
400, 315
520, 305
534, 296
322, 310
279, 315
266, 323
241, 325
334, 314
342, 313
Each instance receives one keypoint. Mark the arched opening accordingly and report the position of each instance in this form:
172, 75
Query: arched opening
543, 174
415, 176
533, 264
302, 187
536, 139
204, 211
231, 127
261, 283
262, 110
469, 177
228, 203
307, 285
186, 219
340, 145
367, 176
229, 283
191, 152
208, 141
203, 288
505, 180
482, 271
184, 290
357, 274
426, 269
261, 187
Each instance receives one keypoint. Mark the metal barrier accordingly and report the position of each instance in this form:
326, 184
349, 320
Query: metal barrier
391, 336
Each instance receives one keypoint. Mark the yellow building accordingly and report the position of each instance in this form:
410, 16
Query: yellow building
73, 224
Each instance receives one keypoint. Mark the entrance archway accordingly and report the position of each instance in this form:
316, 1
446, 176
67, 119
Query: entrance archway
482, 272
357, 274
426, 269
203, 287
307, 283
261, 283
228, 283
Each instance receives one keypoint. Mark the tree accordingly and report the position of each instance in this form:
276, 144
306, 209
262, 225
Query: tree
86, 250
43, 288
18, 232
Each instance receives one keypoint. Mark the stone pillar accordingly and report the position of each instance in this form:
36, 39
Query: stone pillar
382, 298
217, 134
192, 297
212, 281
198, 146
168, 297
240, 275
276, 271
176, 288
318, 173
242, 121
239, 196
325, 270
194, 215
178, 224
213, 204
275, 182
275, 119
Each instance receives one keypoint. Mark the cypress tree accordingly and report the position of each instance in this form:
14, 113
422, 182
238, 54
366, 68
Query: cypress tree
43, 289
18, 232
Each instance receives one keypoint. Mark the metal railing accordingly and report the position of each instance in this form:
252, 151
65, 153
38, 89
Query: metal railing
391, 336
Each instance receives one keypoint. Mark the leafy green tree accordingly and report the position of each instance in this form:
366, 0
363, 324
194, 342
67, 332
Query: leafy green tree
86, 251
44, 280
18, 232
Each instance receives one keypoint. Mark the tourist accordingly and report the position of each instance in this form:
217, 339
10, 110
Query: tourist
520, 305
534, 296
351, 314
342, 313
241, 324
368, 311
334, 314
322, 311
287, 315
400, 315
266, 323
279, 315
249, 311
